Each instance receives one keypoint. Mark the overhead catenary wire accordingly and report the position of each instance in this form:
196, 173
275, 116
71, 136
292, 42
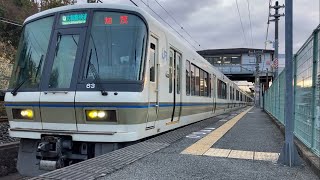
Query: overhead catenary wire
249, 14
134, 3
268, 23
168, 24
244, 34
267, 32
177, 22
5, 20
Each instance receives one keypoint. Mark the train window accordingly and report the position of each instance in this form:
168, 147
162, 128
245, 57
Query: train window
63, 63
233, 96
116, 49
201, 82
178, 72
197, 81
31, 53
205, 83
170, 69
193, 80
188, 77
230, 93
210, 86
215, 86
219, 89
222, 90
152, 60
237, 95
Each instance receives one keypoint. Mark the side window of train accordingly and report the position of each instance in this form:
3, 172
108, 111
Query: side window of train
237, 95
214, 86
192, 80
188, 77
178, 71
202, 82
171, 55
197, 81
222, 89
152, 62
210, 85
205, 84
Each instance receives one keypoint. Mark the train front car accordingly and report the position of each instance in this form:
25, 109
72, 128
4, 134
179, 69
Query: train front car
77, 88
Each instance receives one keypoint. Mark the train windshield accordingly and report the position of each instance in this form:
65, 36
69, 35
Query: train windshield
116, 47
32, 52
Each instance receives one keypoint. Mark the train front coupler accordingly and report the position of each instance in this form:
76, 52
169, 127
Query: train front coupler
52, 152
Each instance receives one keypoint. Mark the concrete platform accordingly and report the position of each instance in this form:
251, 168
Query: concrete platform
242, 146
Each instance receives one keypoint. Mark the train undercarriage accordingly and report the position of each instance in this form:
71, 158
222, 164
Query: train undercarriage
54, 152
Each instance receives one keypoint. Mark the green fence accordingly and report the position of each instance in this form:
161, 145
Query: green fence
306, 94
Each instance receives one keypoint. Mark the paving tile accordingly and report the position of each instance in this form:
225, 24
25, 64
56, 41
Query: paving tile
236, 154
218, 152
266, 156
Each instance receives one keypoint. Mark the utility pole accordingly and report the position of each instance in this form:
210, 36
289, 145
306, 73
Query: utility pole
289, 155
276, 34
256, 54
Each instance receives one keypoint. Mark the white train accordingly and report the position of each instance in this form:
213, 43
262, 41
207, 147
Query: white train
91, 78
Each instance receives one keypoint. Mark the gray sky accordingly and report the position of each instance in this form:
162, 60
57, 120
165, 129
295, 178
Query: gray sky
216, 23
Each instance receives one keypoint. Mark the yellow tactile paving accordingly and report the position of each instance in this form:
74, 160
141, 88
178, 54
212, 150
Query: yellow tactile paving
202, 146
236, 154
266, 156
172, 122
218, 152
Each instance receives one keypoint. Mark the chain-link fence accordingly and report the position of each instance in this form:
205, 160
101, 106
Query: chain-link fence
306, 94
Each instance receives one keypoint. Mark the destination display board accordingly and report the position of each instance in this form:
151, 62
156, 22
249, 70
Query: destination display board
73, 18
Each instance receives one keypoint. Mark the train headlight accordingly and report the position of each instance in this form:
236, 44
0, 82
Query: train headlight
22, 113
101, 115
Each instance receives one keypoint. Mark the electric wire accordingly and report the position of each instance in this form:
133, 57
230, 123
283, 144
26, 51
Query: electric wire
177, 22
168, 24
250, 22
244, 35
267, 32
5, 20
134, 3
268, 22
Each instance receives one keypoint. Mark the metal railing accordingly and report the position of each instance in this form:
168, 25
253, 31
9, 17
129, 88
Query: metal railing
306, 94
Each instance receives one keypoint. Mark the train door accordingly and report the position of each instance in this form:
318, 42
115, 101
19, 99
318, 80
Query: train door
58, 87
214, 93
175, 83
153, 107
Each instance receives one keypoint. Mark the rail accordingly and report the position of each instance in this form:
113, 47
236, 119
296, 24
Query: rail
3, 119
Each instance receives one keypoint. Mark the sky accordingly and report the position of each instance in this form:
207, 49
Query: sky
215, 24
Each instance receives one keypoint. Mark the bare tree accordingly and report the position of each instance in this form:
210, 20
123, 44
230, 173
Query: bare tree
48, 4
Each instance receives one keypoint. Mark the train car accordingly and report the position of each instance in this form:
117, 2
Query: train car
92, 78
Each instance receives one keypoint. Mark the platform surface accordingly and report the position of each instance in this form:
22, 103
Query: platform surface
245, 147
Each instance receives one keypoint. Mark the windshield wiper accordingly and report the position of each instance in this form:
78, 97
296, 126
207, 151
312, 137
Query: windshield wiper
14, 92
95, 75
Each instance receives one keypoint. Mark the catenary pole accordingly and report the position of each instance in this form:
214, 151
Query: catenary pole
276, 16
289, 155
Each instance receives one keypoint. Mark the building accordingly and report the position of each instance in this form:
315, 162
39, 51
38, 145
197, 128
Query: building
239, 64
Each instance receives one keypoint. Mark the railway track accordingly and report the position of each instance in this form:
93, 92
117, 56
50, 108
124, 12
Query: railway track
8, 156
3, 119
